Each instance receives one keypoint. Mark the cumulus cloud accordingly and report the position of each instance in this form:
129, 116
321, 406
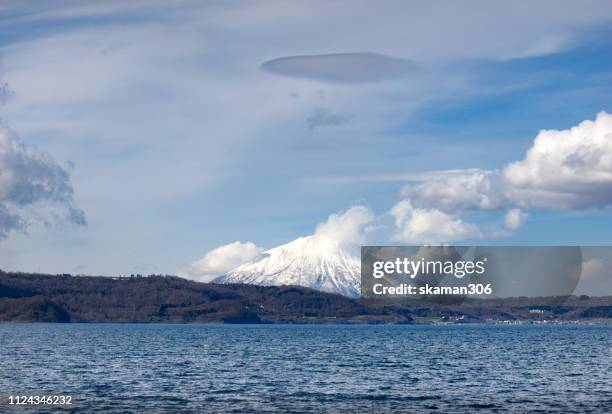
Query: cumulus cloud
224, 258
563, 169
30, 183
571, 167
346, 227
432, 226
471, 189
515, 218
323, 117
568, 169
342, 67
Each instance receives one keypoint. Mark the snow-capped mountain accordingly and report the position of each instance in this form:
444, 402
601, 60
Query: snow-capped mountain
313, 261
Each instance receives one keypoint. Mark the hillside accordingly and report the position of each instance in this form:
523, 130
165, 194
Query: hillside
65, 298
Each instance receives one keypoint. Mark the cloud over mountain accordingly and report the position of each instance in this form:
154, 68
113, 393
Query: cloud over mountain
221, 260
346, 227
566, 169
343, 229
326, 260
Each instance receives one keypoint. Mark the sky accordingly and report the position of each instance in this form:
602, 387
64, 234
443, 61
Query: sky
185, 137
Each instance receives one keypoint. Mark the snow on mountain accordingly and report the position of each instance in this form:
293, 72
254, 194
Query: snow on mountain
314, 261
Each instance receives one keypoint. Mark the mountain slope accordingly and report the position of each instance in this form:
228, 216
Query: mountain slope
64, 298
313, 261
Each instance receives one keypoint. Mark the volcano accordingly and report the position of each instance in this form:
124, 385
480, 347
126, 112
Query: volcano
314, 261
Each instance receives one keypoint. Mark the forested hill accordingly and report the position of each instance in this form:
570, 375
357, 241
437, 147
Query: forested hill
65, 298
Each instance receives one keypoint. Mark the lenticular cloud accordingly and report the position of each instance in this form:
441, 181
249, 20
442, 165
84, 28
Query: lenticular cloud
342, 67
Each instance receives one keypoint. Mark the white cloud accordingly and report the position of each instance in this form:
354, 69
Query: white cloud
346, 227
431, 226
566, 169
31, 184
471, 189
515, 218
563, 169
222, 259
569, 168
163, 71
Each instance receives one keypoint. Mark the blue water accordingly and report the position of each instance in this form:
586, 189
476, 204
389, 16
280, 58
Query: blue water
272, 368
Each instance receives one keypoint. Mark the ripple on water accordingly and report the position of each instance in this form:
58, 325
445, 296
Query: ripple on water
345, 369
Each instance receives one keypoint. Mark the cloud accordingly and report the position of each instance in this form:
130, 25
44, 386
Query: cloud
342, 67
6, 93
515, 218
571, 168
30, 184
222, 259
346, 227
323, 117
471, 189
191, 70
431, 226
564, 169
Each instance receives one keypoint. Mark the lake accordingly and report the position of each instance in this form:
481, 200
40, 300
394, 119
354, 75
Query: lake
308, 368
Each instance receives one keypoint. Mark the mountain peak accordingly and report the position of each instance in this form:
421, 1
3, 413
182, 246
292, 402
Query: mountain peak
316, 261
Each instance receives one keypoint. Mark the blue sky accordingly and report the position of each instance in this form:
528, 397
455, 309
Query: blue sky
177, 141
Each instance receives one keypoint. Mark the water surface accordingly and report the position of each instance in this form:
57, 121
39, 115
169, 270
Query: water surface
297, 368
